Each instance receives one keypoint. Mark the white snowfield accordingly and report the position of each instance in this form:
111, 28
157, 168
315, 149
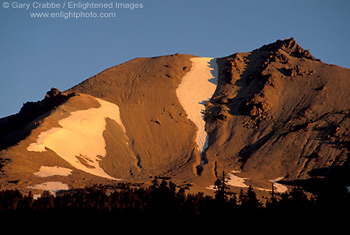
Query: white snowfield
46, 171
233, 180
236, 181
80, 139
280, 188
197, 87
52, 186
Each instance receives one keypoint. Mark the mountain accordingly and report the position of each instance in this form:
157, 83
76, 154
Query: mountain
275, 115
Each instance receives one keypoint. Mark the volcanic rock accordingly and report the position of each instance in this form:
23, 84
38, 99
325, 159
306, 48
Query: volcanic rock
277, 115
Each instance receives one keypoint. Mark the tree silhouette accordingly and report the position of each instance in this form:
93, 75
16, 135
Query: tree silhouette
221, 193
249, 201
163, 199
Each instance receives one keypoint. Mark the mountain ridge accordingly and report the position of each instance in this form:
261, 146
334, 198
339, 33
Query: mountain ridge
263, 106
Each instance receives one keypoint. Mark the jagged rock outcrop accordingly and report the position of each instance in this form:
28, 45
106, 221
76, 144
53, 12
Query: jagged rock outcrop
281, 106
14, 129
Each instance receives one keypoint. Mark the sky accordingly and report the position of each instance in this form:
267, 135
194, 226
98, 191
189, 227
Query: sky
75, 44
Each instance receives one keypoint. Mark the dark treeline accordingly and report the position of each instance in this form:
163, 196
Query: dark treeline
163, 199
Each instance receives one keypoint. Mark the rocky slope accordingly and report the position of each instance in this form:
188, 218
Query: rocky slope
277, 114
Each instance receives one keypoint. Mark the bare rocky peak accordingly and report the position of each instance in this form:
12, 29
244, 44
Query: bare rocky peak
289, 46
277, 113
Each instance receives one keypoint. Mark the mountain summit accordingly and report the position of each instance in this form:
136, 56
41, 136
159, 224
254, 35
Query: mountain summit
275, 115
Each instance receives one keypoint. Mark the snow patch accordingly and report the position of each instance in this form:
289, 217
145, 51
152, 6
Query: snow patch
280, 188
236, 181
80, 139
46, 171
52, 186
233, 180
197, 87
